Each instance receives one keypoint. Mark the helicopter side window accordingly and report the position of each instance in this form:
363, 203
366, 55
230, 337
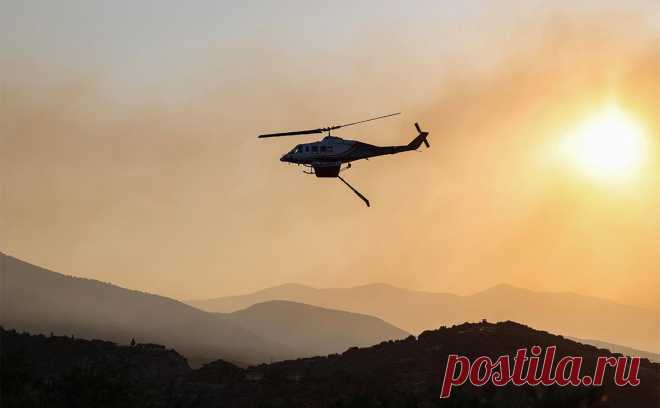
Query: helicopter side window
322, 149
330, 149
315, 149
306, 148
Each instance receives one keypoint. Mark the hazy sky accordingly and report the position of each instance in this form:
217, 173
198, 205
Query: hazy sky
129, 151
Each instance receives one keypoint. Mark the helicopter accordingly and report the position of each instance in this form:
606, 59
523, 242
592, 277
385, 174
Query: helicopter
326, 157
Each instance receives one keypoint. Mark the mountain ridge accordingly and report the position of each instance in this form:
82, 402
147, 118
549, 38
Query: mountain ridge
499, 286
42, 301
313, 330
414, 311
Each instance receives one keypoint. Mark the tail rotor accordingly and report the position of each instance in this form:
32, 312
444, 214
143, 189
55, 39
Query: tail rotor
423, 134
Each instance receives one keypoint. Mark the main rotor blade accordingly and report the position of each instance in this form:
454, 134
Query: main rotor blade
325, 129
368, 120
299, 132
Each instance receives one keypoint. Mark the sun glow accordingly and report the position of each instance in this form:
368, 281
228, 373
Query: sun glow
609, 146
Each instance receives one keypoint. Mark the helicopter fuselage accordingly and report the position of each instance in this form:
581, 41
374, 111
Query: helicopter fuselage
326, 156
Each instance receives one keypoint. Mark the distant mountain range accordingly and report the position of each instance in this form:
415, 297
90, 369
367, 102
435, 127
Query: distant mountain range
617, 348
311, 330
62, 372
567, 313
292, 321
42, 301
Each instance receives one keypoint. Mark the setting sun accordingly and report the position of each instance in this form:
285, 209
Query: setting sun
609, 146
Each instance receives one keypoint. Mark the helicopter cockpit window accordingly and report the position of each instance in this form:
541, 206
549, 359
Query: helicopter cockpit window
297, 149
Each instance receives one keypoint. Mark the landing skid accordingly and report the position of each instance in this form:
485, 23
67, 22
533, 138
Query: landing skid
355, 191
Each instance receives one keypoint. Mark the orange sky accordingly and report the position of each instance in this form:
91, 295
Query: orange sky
169, 191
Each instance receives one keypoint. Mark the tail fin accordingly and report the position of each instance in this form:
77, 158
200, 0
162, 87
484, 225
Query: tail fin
421, 138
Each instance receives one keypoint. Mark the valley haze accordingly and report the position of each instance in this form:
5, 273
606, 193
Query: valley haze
415, 311
41, 301
291, 321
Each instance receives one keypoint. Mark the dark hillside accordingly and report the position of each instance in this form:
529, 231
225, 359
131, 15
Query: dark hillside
60, 371
401, 373
408, 373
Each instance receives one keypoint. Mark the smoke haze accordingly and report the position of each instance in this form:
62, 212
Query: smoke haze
165, 188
